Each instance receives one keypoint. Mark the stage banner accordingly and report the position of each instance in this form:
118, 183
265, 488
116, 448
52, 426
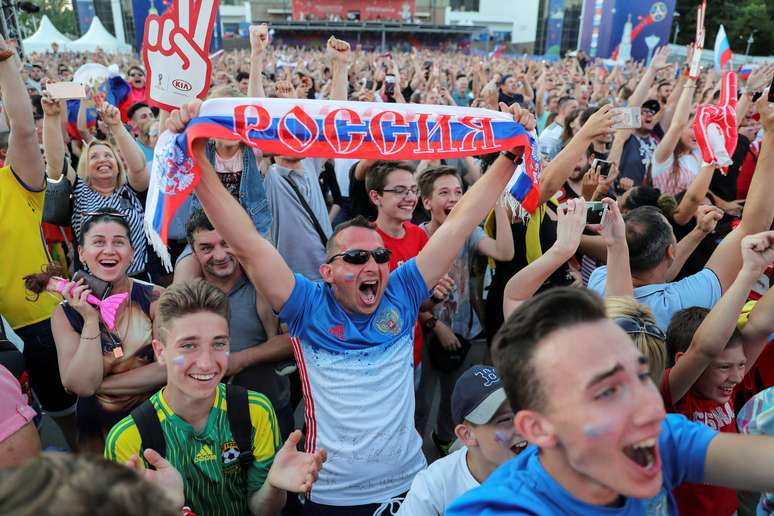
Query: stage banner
606, 22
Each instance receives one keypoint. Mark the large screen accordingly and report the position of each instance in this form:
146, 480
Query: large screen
353, 10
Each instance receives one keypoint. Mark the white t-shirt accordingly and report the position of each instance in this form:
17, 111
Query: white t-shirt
436, 487
671, 181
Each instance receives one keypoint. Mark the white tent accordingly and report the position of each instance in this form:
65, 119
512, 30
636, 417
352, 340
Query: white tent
43, 38
97, 37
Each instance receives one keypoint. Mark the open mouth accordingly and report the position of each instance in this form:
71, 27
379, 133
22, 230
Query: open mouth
108, 264
202, 377
519, 447
368, 291
105, 169
642, 453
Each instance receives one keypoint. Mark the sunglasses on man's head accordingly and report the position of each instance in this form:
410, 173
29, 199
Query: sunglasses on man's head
361, 256
631, 327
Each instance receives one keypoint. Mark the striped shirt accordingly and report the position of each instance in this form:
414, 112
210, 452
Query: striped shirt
124, 200
207, 460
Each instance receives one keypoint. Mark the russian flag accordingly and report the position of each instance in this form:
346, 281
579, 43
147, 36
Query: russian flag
722, 50
117, 92
745, 71
498, 50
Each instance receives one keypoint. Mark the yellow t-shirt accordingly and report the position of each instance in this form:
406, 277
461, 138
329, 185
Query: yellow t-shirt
21, 212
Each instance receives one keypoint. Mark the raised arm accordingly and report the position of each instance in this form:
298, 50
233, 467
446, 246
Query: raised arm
439, 253
560, 168
338, 52
262, 262
259, 40
759, 208
716, 329
740, 462
760, 324
53, 141
501, 247
137, 172
668, 143
707, 218
23, 151
569, 228
756, 83
694, 195
613, 231
658, 62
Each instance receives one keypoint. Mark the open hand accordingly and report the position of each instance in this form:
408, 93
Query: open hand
599, 124
165, 476
293, 470
571, 220
259, 38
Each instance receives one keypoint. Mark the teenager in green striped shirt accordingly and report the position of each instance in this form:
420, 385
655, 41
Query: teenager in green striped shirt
193, 343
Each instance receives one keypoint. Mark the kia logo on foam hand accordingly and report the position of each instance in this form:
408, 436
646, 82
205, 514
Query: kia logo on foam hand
182, 85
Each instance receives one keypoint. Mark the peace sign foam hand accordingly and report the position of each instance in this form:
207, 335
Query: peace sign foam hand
175, 52
715, 126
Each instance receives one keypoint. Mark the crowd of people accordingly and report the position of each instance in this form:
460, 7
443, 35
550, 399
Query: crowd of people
615, 354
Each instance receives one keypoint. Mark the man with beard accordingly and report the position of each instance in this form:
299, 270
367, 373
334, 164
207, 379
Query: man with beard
601, 441
256, 346
352, 333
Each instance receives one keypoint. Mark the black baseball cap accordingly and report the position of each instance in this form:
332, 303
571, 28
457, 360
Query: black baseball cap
652, 104
477, 395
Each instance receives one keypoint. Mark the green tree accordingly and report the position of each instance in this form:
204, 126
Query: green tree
60, 12
739, 17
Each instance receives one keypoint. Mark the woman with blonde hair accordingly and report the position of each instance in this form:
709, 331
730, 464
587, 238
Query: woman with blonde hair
638, 322
106, 177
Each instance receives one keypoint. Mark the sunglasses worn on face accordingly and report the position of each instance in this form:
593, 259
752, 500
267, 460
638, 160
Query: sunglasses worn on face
361, 256
630, 326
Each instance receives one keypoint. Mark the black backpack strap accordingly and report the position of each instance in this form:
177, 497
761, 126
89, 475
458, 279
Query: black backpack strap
238, 409
149, 426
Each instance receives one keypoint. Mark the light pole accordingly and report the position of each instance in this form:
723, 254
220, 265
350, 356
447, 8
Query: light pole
677, 27
750, 41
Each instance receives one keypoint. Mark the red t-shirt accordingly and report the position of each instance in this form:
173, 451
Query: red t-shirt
404, 249
698, 499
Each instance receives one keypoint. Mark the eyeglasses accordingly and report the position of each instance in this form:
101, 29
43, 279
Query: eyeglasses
402, 191
361, 256
631, 326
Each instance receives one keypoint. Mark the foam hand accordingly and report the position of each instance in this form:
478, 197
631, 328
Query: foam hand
715, 126
176, 51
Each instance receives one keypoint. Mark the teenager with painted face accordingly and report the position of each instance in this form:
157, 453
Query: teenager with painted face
484, 429
603, 443
352, 333
192, 409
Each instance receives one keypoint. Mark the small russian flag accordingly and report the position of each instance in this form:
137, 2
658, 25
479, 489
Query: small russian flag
497, 51
745, 71
722, 49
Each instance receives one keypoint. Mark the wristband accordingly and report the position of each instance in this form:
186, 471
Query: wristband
511, 157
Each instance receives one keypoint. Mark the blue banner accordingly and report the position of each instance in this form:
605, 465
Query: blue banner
605, 22
85, 14
554, 27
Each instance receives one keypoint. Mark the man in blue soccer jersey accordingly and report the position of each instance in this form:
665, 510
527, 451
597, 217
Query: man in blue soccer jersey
353, 333
601, 442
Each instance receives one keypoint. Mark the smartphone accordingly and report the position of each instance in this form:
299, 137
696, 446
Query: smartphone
595, 212
100, 288
603, 166
369, 84
66, 90
771, 90
389, 85
628, 118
